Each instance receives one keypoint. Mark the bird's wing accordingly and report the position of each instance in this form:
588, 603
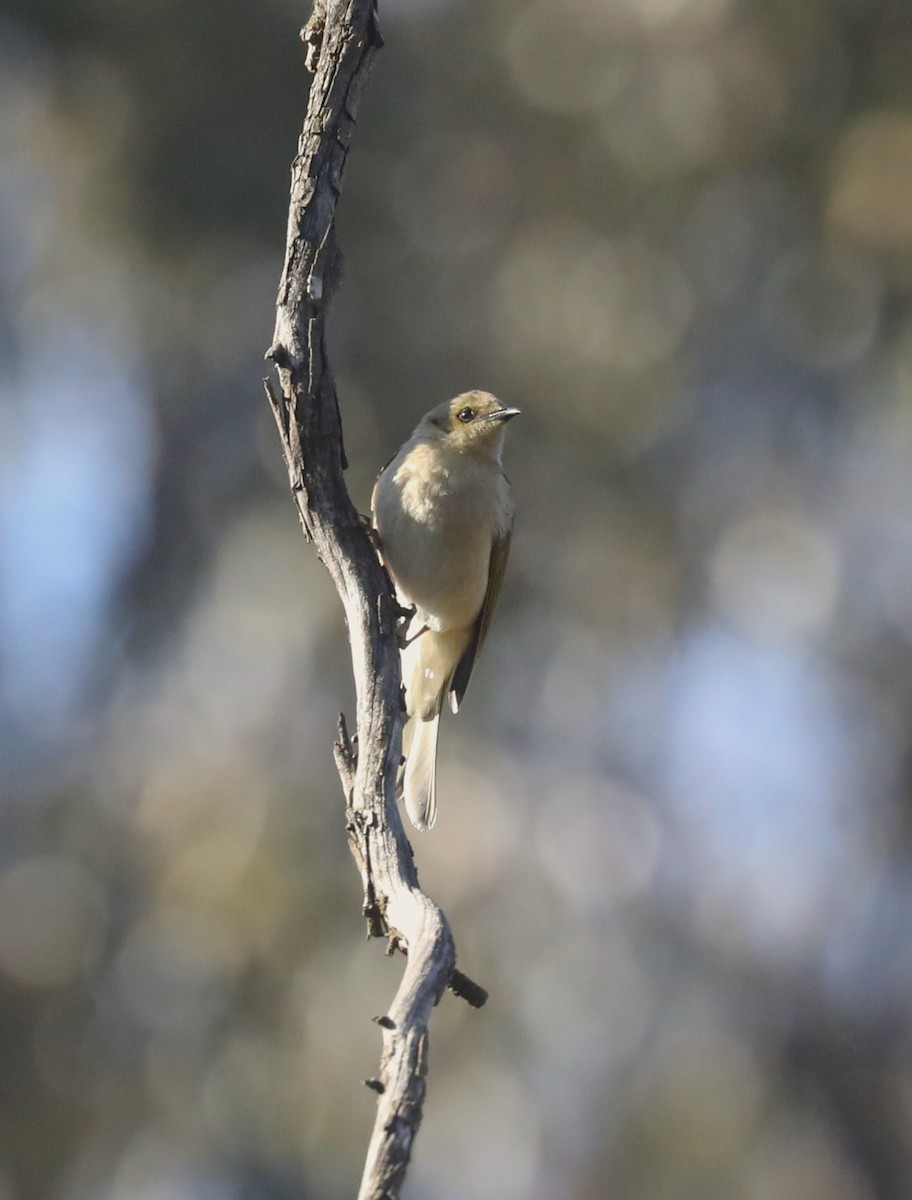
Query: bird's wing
376, 533
376, 485
498, 565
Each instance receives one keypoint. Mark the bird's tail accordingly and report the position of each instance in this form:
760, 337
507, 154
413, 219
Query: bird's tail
428, 662
419, 784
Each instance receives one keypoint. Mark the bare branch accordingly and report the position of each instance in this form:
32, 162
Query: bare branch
342, 38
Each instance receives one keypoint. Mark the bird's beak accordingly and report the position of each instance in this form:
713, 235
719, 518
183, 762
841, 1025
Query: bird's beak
503, 414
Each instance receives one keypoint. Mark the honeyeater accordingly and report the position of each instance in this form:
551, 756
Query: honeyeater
443, 511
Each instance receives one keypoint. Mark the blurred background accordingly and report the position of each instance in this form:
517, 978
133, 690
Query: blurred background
675, 838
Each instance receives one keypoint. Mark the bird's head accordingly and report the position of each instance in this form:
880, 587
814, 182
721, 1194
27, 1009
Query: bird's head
472, 423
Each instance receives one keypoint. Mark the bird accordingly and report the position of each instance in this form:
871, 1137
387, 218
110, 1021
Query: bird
443, 510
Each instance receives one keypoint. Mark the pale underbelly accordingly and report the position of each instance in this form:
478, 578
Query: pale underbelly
446, 585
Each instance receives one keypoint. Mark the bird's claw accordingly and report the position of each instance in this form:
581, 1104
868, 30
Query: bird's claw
406, 616
404, 641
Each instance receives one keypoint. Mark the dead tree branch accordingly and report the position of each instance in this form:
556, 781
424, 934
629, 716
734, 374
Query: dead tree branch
342, 37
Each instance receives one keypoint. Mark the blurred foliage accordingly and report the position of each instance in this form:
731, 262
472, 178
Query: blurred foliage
675, 831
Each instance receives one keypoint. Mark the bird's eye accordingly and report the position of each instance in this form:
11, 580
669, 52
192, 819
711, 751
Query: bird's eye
466, 414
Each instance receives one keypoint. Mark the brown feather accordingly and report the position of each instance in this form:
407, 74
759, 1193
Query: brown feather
374, 489
496, 569
378, 545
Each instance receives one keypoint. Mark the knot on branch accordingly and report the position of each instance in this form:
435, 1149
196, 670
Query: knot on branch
473, 993
346, 757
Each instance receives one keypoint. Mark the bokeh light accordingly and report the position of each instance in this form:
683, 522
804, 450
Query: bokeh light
674, 837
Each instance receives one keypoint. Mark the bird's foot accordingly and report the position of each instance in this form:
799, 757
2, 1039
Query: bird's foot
406, 616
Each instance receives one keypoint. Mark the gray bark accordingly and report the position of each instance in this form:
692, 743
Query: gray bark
342, 37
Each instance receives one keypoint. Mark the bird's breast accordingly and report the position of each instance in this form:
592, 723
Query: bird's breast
437, 516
